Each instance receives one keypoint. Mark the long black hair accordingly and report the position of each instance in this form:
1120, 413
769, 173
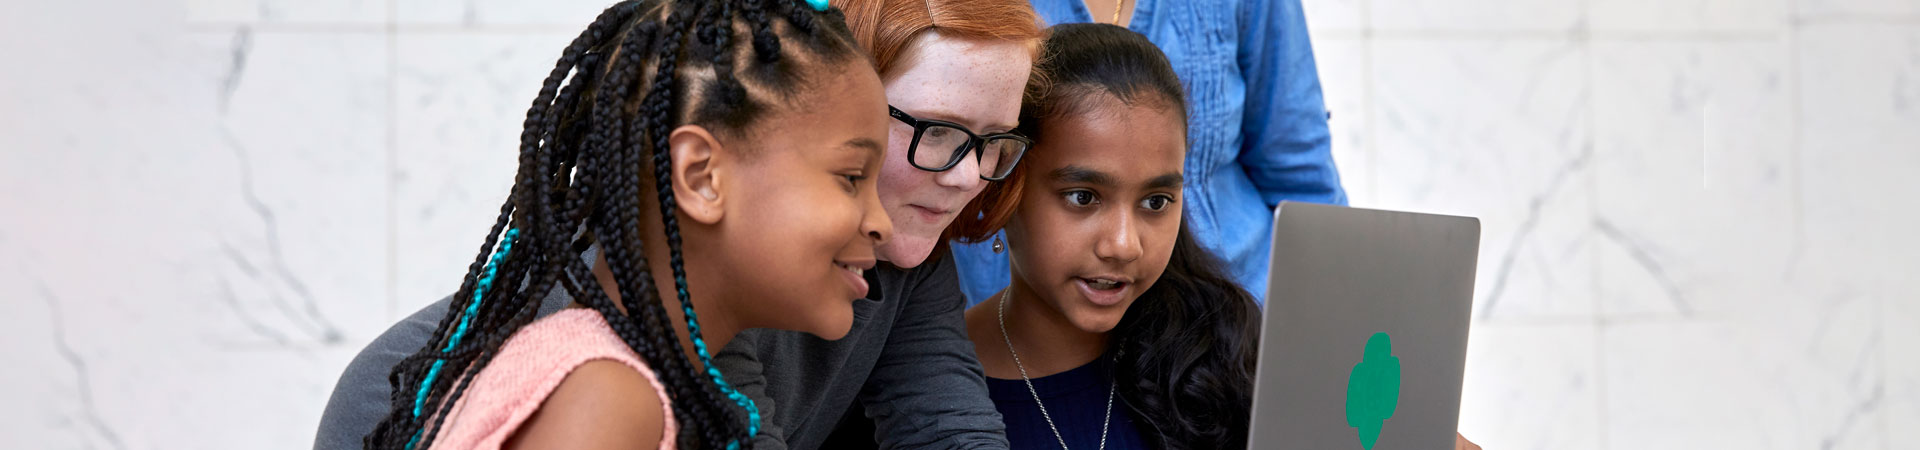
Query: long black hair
600, 121
1185, 350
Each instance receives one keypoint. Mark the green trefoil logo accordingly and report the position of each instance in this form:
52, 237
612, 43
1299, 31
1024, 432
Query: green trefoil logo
1373, 391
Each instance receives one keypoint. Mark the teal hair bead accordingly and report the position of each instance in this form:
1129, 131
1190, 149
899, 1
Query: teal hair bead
719, 380
818, 5
466, 319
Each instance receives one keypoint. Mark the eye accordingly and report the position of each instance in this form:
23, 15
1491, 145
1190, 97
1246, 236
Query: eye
1157, 202
1081, 198
853, 180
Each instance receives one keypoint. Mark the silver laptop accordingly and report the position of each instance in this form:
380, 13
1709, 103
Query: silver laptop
1365, 330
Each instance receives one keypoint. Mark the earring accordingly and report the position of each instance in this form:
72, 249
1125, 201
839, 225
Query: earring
999, 245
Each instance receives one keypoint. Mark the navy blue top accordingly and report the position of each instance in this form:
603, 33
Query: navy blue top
1077, 399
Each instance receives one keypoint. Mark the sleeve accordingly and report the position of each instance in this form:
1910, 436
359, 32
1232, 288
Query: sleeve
927, 389
748, 375
1286, 147
360, 399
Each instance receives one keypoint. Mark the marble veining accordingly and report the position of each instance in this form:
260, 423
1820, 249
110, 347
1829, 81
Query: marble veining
1695, 212
95, 427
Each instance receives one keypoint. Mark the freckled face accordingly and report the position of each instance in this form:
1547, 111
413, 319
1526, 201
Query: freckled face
977, 84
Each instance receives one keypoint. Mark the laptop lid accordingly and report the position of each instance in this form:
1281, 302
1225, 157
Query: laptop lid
1364, 336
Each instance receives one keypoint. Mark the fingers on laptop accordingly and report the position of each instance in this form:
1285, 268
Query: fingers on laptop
1460, 442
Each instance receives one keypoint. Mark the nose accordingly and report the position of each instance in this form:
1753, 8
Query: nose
1119, 239
964, 176
874, 222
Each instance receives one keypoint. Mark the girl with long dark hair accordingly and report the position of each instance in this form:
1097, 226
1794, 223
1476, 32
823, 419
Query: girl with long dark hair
1117, 330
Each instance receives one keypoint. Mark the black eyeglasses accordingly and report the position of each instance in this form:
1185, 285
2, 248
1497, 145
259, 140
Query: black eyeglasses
997, 153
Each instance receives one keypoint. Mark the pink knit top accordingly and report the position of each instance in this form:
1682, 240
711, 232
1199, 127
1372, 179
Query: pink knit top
528, 368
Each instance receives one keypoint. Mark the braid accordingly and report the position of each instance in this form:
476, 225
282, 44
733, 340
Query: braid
801, 18
691, 399
425, 438
766, 46
403, 424
600, 119
724, 90
728, 93
398, 397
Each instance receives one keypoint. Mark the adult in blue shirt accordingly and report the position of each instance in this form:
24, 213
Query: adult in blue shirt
1257, 124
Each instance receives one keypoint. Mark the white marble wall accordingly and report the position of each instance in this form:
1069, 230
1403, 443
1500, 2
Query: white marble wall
1698, 223
1697, 212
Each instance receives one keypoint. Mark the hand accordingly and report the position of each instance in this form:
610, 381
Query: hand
1460, 442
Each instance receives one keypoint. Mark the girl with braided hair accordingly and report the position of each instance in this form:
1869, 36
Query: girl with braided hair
951, 70
713, 156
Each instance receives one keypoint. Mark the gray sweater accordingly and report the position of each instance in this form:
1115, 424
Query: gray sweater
907, 360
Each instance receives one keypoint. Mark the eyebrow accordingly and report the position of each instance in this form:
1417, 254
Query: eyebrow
955, 118
1171, 180
1081, 175
869, 145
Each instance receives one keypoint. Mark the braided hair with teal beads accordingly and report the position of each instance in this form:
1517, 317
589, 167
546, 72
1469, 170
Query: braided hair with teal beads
601, 117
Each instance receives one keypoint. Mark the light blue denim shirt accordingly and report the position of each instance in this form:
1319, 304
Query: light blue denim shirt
1257, 126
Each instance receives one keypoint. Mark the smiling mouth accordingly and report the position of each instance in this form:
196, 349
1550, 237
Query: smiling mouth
853, 273
856, 270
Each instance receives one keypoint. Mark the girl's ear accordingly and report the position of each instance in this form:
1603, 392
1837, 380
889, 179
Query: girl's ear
698, 163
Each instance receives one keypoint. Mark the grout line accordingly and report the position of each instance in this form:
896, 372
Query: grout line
1746, 34
1443, 34
1796, 164
1880, 339
393, 24
1854, 19
389, 27
393, 156
1796, 171
1524, 35
1583, 39
1799, 204
1690, 36
1613, 321
1370, 115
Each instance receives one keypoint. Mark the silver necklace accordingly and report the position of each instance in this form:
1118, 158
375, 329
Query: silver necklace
1111, 385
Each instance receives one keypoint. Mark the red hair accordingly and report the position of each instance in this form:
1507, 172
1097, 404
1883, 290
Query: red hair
885, 28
